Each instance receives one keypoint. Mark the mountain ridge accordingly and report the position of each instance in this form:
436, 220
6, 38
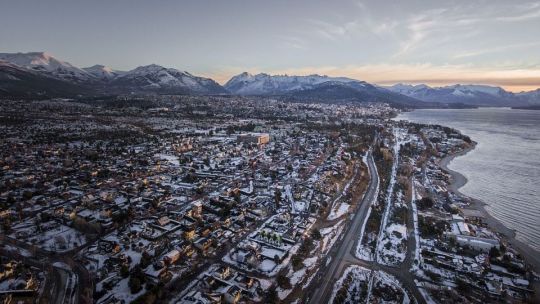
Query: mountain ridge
19, 82
471, 94
64, 78
99, 79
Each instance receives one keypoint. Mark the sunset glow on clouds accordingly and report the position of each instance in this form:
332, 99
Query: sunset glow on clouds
515, 80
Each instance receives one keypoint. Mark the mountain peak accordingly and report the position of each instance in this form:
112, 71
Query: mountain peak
149, 67
42, 55
46, 63
155, 77
102, 72
473, 94
31, 58
265, 84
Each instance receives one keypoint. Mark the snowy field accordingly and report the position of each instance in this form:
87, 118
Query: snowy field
362, 285
392, 239
338, 212
415, 197
351, 286
330, 236
340, 208
394, 248
363, 251
297, 277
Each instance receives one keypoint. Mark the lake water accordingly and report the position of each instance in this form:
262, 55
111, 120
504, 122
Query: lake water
504, 168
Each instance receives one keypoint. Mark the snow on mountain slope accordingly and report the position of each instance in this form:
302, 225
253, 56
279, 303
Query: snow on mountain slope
102, 72
495, 91
151, 77
103, 79
406, 89
531, 97
315, 88
458, 89
459, 93
47, 64
20, 82
155, 77
264, 84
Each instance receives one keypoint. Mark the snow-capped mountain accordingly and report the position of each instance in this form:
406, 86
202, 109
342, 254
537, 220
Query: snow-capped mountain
482, 95
100, 79
41, 74
154, 77
102, 72
20, 82
47, 64
407, 89
354, 92
531, 97
314, 88
264, 84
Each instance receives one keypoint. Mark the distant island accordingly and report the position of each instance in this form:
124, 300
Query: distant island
532, 107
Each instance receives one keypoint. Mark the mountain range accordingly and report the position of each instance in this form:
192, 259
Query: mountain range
315, 88
41, 75
479, 95
33, 70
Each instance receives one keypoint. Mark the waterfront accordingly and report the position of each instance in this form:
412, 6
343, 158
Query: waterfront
504, 167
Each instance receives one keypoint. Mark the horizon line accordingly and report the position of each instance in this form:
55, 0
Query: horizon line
509, 79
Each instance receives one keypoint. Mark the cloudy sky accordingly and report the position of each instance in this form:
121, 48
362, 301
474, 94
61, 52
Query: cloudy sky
385, 42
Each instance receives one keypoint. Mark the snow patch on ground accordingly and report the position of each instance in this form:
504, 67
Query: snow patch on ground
362, 251
360, 285
341, 210
351, 284
298, 276
330, 236
51, 236
416, 262
399, 135
394, 249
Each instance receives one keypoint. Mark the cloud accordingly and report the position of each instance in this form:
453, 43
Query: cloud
437, 24
333, 31
525, 12
498, 49
384, 27
455, 23
292, 42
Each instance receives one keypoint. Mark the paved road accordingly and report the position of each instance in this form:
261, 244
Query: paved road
344, 254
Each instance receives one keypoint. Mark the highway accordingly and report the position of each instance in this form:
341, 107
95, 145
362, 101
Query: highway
343, 253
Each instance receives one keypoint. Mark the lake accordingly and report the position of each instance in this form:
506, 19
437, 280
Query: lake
504, 168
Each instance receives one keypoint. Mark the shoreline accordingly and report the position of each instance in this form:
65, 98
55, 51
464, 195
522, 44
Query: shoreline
458, 180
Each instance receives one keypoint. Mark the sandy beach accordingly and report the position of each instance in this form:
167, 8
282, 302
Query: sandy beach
531, 256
